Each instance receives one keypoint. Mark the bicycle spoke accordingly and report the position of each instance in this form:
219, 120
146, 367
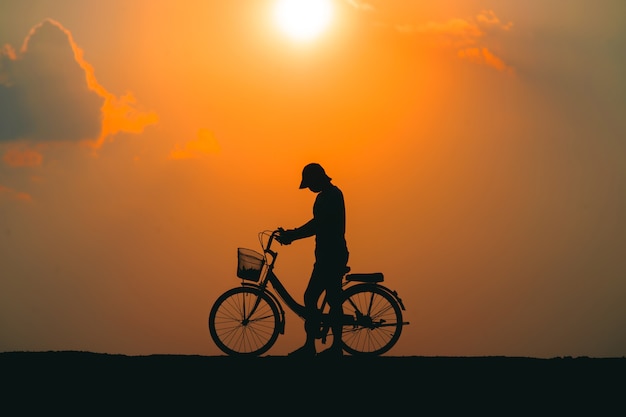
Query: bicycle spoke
376, 320
244, 321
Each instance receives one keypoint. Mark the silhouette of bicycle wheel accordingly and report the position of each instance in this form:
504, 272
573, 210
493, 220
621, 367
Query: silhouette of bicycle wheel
372, 320
244, 321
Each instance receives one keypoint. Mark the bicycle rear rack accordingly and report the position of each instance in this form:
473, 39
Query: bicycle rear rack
369, 277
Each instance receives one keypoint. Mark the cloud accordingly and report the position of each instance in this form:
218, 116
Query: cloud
361, 5
204, 144
465, 30
7, 193
15, 157
119, 114
484, 56
48, 92
44, 96
460, 30
488, 19
467, 36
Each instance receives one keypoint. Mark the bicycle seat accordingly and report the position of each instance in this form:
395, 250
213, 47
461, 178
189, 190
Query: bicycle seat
370, 277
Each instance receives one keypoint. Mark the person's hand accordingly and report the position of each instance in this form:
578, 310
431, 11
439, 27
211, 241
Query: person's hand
284, 237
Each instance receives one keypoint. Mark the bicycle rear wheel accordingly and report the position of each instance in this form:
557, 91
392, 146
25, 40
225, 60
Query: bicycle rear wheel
244, 321
375, 320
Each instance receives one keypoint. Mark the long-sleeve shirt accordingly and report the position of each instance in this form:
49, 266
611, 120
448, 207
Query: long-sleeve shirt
328, 225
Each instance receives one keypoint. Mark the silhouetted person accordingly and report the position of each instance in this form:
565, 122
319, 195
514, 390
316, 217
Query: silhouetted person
328, 225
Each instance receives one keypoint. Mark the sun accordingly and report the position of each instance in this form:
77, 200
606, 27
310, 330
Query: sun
303, 20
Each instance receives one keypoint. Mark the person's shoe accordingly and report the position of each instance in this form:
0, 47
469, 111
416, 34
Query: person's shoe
331, 353
303, 352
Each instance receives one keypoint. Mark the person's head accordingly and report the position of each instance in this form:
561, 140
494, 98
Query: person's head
314, 177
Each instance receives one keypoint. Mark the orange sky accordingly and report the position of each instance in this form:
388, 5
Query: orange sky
479, 145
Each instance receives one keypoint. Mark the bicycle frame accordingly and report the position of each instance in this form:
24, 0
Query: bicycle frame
283, 293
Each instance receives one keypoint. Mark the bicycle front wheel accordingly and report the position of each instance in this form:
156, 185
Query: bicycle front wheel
372, 320
244, 321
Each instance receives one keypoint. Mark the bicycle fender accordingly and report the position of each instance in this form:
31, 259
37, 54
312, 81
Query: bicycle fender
389, 291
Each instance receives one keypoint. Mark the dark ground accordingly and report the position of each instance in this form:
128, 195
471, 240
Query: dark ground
84, 383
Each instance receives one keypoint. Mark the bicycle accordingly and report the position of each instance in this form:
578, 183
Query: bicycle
247, 320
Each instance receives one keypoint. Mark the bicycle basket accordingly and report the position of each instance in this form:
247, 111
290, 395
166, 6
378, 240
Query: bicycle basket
249, 264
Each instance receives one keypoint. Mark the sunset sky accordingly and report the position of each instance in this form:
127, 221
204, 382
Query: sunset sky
480, 146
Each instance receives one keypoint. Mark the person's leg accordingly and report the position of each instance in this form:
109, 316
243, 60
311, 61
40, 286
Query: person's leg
312, 295
336, 310
333, 294
312, 315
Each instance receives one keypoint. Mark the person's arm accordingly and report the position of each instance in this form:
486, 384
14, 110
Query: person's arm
306, 230
288, 236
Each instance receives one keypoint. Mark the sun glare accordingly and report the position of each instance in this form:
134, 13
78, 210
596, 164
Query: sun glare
303, 20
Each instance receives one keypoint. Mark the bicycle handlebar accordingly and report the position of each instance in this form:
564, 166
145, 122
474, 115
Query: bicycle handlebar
272, 236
